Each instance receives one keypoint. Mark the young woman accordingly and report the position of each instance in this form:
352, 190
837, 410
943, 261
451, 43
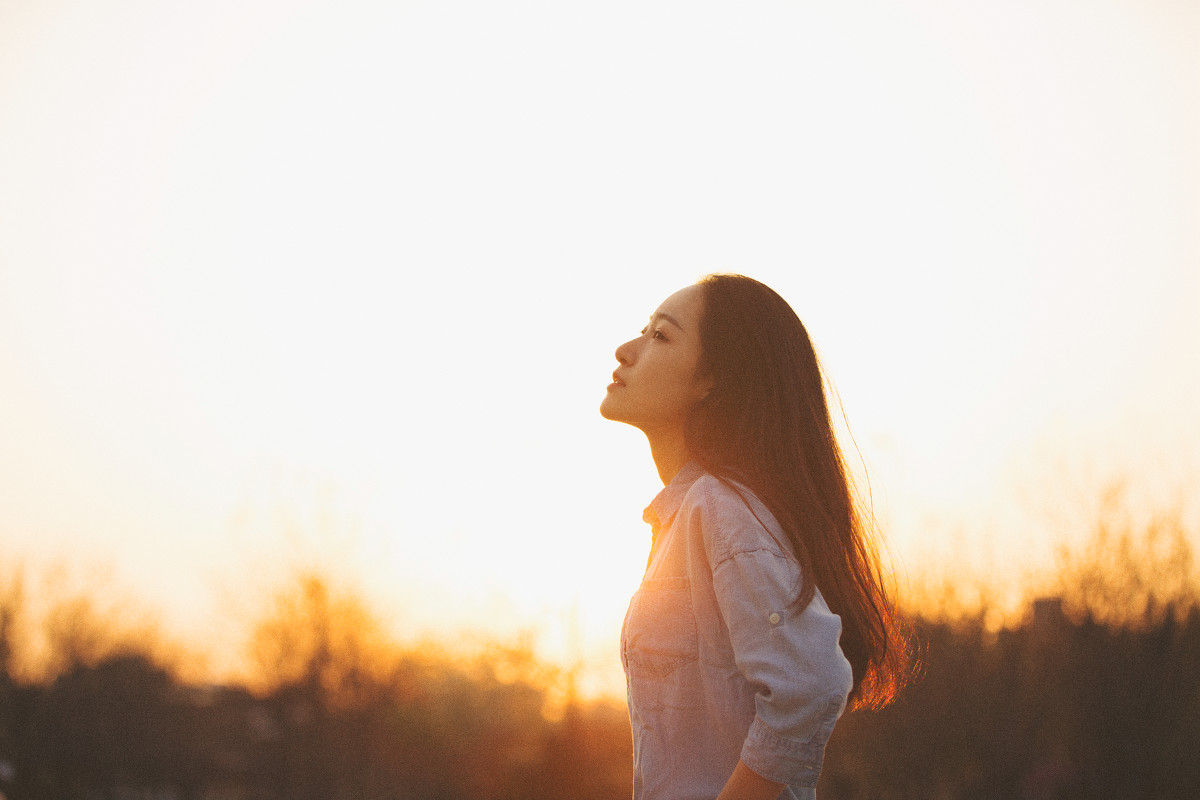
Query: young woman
762, 611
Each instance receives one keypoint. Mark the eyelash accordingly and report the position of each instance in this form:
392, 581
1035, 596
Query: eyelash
658, 334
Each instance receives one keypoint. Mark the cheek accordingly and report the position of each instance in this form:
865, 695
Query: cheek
685, 389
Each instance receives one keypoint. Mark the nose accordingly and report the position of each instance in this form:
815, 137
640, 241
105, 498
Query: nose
625, 352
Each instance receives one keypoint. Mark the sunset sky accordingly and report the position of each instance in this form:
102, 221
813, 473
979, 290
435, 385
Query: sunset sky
340, 283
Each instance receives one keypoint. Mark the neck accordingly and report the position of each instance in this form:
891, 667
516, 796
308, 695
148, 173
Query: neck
670, 453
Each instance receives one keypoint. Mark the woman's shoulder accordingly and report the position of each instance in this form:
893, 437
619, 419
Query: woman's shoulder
718, 492
731, 514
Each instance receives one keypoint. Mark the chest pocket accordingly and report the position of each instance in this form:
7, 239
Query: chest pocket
660, 629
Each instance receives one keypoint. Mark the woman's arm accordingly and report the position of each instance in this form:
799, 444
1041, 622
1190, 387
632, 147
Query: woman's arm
789, 654
746, 784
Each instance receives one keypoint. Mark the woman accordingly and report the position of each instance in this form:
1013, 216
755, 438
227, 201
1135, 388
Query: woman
762, 611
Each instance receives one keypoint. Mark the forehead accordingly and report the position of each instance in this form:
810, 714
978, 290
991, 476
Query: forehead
684, 307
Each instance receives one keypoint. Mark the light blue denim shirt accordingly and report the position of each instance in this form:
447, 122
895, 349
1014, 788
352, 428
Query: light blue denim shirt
720, 663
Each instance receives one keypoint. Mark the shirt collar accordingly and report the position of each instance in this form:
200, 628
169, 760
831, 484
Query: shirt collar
662, 508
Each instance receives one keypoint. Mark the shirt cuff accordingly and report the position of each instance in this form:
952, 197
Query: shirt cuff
780, 759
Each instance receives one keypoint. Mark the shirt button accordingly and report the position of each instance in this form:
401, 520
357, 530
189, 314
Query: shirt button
774, 619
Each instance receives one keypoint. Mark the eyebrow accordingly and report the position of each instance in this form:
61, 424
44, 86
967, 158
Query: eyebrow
668, 318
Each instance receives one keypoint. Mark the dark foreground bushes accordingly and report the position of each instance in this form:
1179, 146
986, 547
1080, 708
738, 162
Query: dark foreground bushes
1052, 709
124, 728
1093, 697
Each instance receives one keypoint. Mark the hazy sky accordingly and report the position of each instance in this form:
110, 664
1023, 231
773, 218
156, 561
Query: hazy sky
342, 281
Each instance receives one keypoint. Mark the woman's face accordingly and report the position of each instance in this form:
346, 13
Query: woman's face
657, 383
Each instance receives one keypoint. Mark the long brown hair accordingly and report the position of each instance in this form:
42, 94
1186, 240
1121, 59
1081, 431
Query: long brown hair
766, 425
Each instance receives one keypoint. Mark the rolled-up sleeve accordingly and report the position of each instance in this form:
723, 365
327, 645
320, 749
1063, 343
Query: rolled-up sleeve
790, 656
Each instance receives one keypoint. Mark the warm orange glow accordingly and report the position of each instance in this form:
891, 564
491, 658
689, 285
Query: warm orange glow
285, 285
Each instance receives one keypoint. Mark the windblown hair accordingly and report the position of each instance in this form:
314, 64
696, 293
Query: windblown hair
766, 425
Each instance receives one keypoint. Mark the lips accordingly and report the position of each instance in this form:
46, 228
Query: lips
617, 380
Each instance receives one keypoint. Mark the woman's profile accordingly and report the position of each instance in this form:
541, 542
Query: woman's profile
762, 612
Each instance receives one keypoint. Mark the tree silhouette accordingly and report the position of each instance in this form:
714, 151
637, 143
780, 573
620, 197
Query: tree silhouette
1092, 694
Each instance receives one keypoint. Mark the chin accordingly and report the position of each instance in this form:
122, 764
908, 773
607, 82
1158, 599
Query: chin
609, 411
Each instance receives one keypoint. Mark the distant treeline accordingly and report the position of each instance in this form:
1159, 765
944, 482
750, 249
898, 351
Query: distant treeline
1053, 710
1096, 694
